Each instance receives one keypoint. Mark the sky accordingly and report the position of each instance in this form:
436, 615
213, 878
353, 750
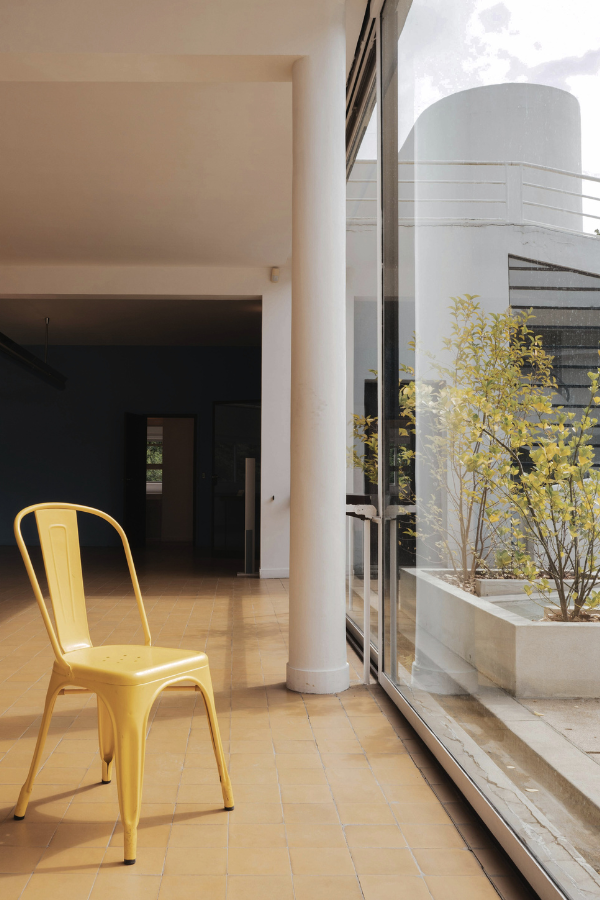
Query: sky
452, 45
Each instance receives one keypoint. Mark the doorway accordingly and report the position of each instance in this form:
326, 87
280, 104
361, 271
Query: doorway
236, 436
160, 479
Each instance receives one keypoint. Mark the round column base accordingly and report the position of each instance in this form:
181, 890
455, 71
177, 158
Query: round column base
318, 681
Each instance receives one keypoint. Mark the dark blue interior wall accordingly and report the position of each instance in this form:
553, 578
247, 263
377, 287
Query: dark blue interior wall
68, 445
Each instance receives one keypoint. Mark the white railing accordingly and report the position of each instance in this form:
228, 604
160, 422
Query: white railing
519, 193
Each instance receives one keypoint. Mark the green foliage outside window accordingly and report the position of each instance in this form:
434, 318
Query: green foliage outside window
154, 454
490, 363
510, 478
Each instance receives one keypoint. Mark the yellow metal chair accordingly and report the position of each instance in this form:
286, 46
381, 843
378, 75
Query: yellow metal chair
126, 678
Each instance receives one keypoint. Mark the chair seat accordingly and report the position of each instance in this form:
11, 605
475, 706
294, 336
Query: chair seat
130, 664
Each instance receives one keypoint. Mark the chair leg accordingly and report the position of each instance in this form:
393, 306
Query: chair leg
56, 682
204, 682
130, 707
106, 740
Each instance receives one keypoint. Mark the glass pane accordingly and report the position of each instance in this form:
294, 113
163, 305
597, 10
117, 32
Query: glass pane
362, 389
154, 458
154, 452
355, 594
490, 180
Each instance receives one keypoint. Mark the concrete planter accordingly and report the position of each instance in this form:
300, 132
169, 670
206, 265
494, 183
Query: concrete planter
460, 637
499, 587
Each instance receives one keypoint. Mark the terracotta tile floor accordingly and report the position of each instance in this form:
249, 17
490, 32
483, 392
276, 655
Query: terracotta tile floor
336, 798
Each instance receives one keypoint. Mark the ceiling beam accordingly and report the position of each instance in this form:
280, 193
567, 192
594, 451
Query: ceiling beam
33, 364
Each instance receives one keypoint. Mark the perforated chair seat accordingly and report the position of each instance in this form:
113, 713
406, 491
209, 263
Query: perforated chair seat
129, 664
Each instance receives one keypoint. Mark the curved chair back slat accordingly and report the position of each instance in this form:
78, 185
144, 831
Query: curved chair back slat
59, 539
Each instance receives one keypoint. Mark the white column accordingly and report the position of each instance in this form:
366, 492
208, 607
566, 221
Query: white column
275, 429
317, 662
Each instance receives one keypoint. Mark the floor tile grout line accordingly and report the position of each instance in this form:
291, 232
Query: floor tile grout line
390, 806
343, 827
179, 784
230, 629
455, 824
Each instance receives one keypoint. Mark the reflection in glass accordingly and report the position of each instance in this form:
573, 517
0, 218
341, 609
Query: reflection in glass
362, 380
491, 321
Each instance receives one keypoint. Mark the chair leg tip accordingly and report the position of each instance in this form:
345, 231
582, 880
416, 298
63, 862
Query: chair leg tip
228, 808
107, 782
19, 818
129, 862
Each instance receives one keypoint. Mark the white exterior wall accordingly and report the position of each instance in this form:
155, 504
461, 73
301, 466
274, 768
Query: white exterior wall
463, 247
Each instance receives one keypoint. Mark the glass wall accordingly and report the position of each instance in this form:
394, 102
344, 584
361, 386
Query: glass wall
362, 378
488, 330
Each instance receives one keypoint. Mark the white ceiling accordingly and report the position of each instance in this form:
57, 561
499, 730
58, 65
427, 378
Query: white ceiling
118, 149
195, 174
130, 135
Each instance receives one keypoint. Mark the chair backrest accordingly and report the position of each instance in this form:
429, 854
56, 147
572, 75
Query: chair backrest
59, 540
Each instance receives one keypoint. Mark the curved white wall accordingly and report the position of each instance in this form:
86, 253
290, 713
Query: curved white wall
530, 122
464, 225
505, 124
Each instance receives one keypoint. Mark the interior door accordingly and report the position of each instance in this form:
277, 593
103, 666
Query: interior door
134, 517
178, 479
236, 436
